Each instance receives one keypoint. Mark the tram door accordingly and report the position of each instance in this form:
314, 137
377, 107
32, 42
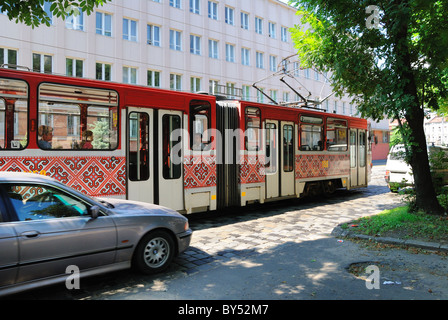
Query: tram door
272, 158
170, 160
287, 181
139, 145
358, 157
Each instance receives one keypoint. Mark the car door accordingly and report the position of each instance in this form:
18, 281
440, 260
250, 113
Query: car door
55, 230
9, 257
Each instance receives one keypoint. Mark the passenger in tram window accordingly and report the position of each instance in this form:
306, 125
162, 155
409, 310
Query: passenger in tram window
87, 137
197, 142
46, 134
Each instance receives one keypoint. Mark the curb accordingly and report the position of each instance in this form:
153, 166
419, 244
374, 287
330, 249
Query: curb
339, 232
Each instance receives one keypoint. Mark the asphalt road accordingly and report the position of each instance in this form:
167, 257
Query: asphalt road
280, 251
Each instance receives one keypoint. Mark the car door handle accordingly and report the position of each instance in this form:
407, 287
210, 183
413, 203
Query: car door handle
30, 234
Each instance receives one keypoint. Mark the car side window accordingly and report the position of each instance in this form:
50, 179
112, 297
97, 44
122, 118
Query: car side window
37, 202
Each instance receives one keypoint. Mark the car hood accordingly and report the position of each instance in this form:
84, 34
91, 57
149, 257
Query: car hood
129, 207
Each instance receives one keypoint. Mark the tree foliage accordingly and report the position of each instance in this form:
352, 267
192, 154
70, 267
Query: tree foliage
395, 67
31, 12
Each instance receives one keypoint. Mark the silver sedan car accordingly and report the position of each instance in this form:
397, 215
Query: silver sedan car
48, 231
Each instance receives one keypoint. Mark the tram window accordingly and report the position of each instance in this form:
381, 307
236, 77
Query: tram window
199, 125
171, 160
13, 114
78, 118
271, 148
336, 135
311, 134
253, 126
362, 149
138, 146
288, 148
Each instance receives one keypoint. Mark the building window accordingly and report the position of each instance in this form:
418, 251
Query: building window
153, 79
153, 35
103, 71
273, 63
213, 10
194, 6
244, 20
74, 67
195, 84
8, 56
129, 30
284, 34
76, 20
195, 44
246, 93
213, 86
258, 25
260, 95
272, 30
245, 56
42, 63
104, 24
175, 82
230, 15
213, 49
259, 60
175, 3
130, 75
230, 52
175, 40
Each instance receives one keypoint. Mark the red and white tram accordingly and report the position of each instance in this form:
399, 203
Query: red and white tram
190, 152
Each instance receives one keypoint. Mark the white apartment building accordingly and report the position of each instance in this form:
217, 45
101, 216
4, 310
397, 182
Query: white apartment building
187, 45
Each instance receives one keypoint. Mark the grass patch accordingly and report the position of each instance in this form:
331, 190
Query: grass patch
402, 224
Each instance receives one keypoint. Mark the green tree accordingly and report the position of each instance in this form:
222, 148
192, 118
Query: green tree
390, 58
31, 12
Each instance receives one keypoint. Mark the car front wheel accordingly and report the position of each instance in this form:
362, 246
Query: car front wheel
154, 252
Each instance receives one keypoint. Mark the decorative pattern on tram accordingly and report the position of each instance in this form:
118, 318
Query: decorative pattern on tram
95, 176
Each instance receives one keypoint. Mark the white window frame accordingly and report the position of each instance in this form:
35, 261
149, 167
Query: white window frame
230, 16
175, 4
128, 29
195, 6
230, 52
105, 19
195, 44
259, 60
153, 35
244, 20
245, 56
213, 10
258, 25
103, 71
153, 76
213, 49
272, 30
130, 75
175, 40
175, 81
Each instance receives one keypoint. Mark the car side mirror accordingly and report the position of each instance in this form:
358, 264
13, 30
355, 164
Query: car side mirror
94, 211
